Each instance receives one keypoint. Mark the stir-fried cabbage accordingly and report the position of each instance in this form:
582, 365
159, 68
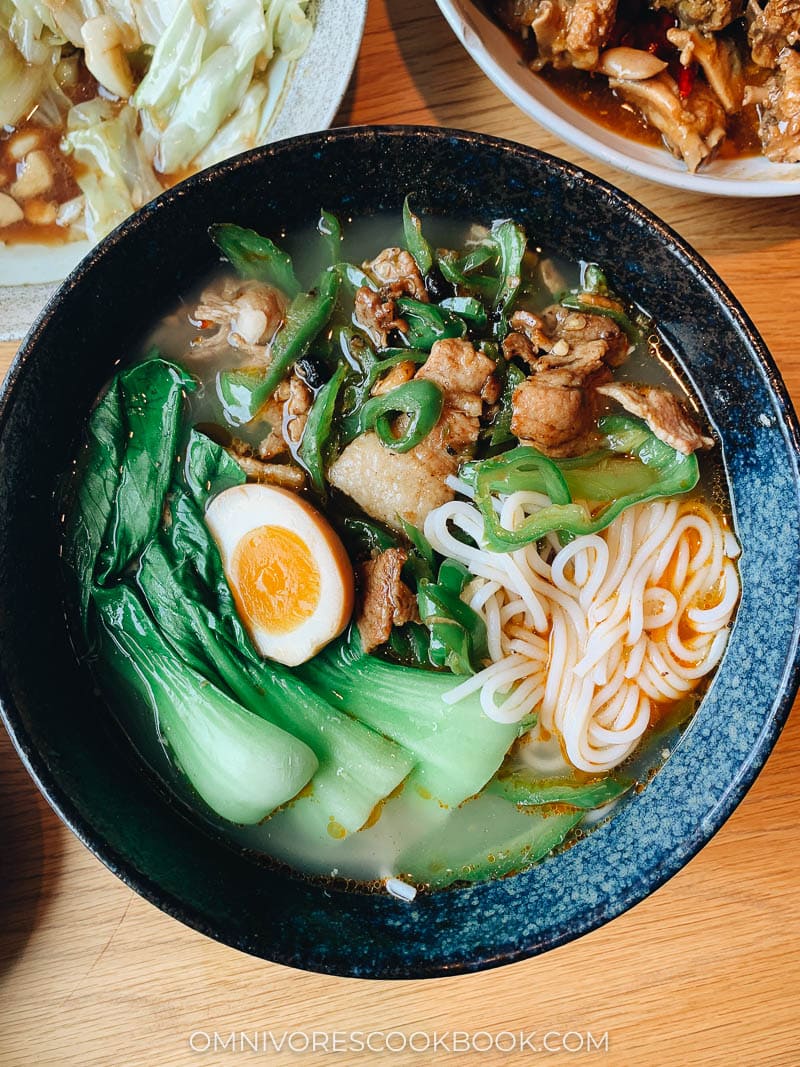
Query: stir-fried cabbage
117, 177
210, 74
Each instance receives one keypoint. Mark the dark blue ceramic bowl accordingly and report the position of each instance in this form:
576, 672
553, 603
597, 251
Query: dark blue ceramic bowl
85, 767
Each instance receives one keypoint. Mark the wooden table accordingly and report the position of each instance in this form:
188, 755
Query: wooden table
705, 971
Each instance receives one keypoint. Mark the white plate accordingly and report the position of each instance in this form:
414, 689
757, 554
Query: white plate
496, 55
312, 95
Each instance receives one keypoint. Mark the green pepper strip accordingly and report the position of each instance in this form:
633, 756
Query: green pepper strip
410, 644
369, 537
319, 427
501, 430
354, 277
415, 242
468, 308
371, 369
329, 229
428, 323
652, 470
594, 280
511, 241
574, 303
457, 633
420, 562
452, 271
418, 540
420, 399
254, 256
479, 257
244, 393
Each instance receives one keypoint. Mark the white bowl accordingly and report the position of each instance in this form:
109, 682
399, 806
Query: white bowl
493, 50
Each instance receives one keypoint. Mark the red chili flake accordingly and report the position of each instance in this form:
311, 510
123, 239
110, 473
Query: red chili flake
686, 80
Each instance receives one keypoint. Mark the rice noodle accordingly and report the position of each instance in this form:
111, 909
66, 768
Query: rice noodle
594, 636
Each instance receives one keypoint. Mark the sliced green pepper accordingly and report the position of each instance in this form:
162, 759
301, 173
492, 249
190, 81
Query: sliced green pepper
484, 253
453, 272
652, 469
428, 323
420, 399
418, 540
420, 562
358, 391
457, 633
367, 537
511, 241
415, 242
319, 428
254, 256
468, 308
409, 644
354, 277
244, 393
501, 429
329, 229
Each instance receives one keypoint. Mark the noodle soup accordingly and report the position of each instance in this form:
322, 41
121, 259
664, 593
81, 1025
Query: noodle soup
394, 547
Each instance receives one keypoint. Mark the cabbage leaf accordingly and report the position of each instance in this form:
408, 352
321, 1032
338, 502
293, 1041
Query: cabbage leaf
116, 177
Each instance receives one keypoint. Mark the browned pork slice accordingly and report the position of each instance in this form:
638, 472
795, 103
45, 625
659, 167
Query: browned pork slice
376, 314
297, 404
286, 475
397, 268
388, 485
555, 409
558, 329
692, 129
391, 485
385, 600
247, 316
779, 125
461, 372
662, 411
571, 33
577, 327
707, 15
772, 27
281, 420
720, 61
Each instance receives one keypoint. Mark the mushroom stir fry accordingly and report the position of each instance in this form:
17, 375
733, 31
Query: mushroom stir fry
689, 67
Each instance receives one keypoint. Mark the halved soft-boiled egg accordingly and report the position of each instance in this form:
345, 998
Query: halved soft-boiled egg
289, 573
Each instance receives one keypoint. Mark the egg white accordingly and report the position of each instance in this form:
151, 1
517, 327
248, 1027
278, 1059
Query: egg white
244, 508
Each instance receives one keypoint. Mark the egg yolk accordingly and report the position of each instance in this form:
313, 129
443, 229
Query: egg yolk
276, 581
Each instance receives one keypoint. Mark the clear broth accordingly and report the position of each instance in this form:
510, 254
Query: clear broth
365, 859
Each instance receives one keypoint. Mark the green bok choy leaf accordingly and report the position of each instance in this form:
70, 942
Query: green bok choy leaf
242, 766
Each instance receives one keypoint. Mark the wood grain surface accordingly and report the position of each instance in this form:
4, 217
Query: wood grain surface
705, 971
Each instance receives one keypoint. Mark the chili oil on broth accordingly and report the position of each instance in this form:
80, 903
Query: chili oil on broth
365, 859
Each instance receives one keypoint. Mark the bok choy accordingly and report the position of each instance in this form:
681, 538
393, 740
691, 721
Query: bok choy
241, 765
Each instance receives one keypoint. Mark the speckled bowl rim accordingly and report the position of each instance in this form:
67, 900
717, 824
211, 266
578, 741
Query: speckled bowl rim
591, 917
